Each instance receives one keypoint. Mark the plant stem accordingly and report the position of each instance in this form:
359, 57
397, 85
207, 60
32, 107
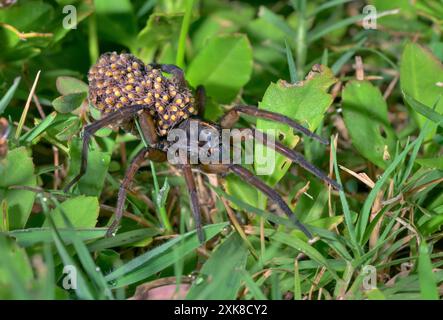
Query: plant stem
180, 59
93, 41
161, 208
26, 109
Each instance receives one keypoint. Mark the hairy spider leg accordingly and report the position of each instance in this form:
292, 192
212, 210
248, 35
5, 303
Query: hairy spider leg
233, 115
176, 71
116, 116
147, 127
290, 154
249, 177
200, 100
145, 153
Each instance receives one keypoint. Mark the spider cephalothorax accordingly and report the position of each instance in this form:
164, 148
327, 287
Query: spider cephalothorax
126, 90
120, 80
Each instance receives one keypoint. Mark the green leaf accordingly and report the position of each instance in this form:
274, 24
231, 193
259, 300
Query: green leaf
223, 66
9, 95
306, 101
116, 21
124, 239
219, 279
304, 247
365, 113
424, 110
420, 72
39, 129
431, 163
428, 284
28, 237
17, 169
27, 16
68, 85
69, 102
160, 29
82, 211
161, 257
15, 271
98, 163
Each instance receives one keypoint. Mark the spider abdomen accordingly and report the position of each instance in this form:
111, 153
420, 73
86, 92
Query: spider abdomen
120, 80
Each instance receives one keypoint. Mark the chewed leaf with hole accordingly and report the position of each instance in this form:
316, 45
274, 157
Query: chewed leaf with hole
365, 114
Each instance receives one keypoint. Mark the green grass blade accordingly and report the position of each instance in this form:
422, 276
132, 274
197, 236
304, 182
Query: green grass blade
161, 257
9, 95
344, 202
428, 284
291, 64
220, 278
365, 212
252, 286
328, 5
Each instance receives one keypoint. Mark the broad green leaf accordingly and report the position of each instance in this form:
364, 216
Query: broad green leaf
419, 74
223, 66
428, 284
305, 101
160, 257
27, 16
404, 20
219, 279
17, 169
365, 113
432, 163
81, 211
160, 29
15, 271
98, 162
223, 21
68, 85
116, 21
69, 102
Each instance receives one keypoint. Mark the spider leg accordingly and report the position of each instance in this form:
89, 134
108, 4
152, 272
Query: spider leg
176, 71
89, 130
192, 190
250, 178
200, 95
290, 154
145, 153
147, 127
233, 115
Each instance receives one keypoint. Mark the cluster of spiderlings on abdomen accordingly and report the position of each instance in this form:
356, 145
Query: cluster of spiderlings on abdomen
120, 80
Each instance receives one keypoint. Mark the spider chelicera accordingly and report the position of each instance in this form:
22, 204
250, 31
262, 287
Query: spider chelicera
126, 90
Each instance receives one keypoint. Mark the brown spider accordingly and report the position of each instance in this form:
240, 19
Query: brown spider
124, 89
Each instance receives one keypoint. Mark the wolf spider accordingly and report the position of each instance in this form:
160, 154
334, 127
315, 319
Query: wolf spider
126, 91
